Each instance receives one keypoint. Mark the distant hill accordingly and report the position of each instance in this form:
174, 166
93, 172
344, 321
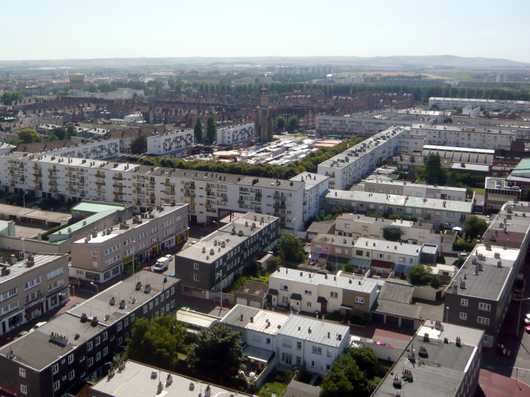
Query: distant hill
385, 62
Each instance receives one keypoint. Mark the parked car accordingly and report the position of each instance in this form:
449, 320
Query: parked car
527, 319
162, 264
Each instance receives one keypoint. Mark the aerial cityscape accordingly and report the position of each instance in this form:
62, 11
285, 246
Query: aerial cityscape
265, 199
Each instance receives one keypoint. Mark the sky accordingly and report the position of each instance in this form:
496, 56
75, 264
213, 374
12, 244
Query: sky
66, 29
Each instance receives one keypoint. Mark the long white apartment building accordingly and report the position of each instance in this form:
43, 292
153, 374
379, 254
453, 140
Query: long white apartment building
412, 189
289, 340
102, 149
322, 293
355, 163
435, 211
453, 154
459, 136
316, 187
236, 134
485, 104
170, 142
102, 256
210, 195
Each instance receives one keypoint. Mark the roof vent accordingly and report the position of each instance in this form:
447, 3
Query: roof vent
112, 301
423, 352
426, 337
94, 321
458, 341
153, 374
147, 289
84, 318
138, 286
122, 304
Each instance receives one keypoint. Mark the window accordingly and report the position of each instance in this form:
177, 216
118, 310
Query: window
486, 307
24, 389
22, 372
89, 346
317, 350
195, 277
56, 385
98, 356
90, 361
268, 341
70, 359
299, 345
333, 294
195, 266
359, 300
483, 320
309, 305
464, 302
98, 340
462, 316
71, 375
105, 351
55, 369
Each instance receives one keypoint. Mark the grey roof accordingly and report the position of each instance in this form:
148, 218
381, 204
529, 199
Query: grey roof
310, 178
316, 331
397, 291
108, 314
252, 318
440, 374
482, 275
407, 310
300, 389
37, 351
322, 227
388, 246
21, 267
136, 380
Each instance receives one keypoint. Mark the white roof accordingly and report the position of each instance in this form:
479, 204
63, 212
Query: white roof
388, 246
316, 331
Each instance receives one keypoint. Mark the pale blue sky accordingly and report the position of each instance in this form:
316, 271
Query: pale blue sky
43, 29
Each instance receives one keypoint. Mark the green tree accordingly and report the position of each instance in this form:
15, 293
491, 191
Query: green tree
60, 133
139, 145
280, 124
392, 233
474, 226
70, 132
197, 131
292, 124
211, 130
28, 135
434, 173
217, 353
291, 249
9, 98
420, 275
157, 341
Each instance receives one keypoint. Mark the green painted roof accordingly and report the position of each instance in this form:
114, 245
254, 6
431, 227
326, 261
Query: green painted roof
98, 211
96, 207
522, 169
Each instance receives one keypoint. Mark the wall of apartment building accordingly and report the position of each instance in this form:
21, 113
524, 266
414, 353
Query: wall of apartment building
107, 343
49, 291
106, 259
170, 142
235, 134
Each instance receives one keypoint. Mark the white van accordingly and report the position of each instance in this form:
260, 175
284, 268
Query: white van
162, 264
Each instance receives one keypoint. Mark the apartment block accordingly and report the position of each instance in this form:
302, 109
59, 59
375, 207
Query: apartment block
31, 288
210, 195
355, 163
61, 355
311, 292
485, 104
289, 340
441, 360
102, 149
498, 191
170, 142
404, 188
213, 262
236, 135
101, 256
480, 293
452, 154
316, 186
435, 211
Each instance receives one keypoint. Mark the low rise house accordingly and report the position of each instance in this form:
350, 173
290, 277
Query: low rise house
498, 191
321, 293
435, 211
405, 188
290, 340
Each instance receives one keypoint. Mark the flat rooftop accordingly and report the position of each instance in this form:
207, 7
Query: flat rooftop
310, 179
252, 318
375, 180
38, 350
458, 149
485, 272
136, 380
129, 224
500, 183
313, 330
401, 200
388, 246
20, 267
108, 313
13, 211
354, 283
437, 368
